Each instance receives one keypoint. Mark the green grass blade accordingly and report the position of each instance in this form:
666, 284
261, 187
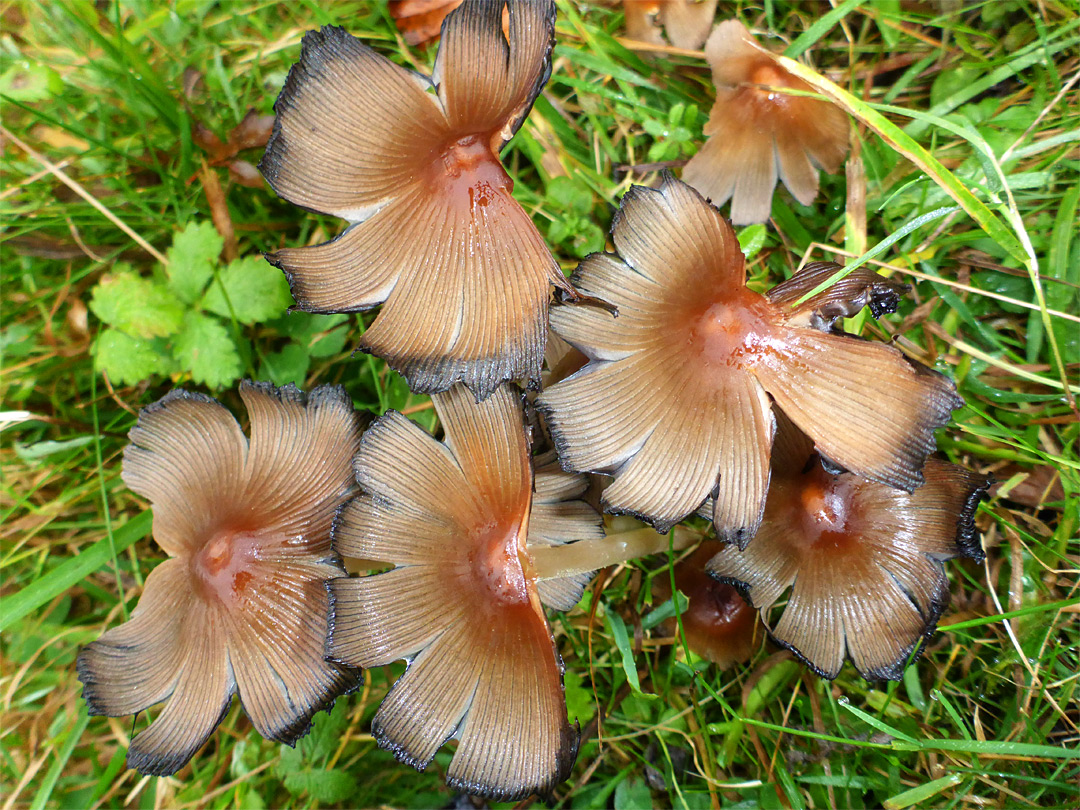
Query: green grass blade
49, 782
917, 154
69, 572
921, 793
821, 26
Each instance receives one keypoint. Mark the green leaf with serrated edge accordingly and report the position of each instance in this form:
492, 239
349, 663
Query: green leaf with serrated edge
290, 365
192, 258
257, 291
138, 306
129, 360
205, 349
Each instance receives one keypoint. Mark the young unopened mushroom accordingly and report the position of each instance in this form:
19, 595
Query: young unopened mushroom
241, 605
477, 543
675, 401
756, 132
863, 562
412, 162
718, 623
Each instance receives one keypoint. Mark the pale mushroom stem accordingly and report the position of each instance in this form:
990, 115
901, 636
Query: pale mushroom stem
553, 562
584, 556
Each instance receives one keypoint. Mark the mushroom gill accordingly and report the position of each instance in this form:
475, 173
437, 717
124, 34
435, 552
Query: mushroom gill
718, 623
675, 401
240, 606
412, 163
457, 520
863, 562
756, 132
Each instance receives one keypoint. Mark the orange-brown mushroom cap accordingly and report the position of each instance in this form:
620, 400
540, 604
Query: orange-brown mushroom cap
756, 134
420, 21
461, 271
687, 22
241, 605
863, 562
718, 622
461, 603
675, 402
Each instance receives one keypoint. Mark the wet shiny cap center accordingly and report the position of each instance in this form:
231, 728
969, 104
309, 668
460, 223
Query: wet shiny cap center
469, 173
733, 330
500, 567
824, 509
223, 566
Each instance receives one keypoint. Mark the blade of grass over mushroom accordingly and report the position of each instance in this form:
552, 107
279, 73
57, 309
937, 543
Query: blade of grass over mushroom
913, 151
72, 570
910, 226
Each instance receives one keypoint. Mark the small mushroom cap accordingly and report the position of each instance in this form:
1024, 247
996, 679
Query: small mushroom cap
241, 605
718, 623
675, 401
436, 237
641, 18
461, 603
687, 22
863, 562
420, 21
756, 134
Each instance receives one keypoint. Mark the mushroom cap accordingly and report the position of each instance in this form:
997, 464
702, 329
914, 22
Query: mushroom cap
240, 606
420, 21
718, 623
461, 271
863, 562
756, 134
675, 401
640, 17
461, 604
687, 22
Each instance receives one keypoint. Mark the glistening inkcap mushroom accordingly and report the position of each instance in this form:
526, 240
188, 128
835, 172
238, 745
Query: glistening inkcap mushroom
862, 564
412, 163
475, 544
675, 401
461, 603
757, 132
718, 623
240, 606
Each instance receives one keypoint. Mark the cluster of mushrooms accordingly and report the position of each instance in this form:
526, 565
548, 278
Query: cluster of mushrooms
672, 390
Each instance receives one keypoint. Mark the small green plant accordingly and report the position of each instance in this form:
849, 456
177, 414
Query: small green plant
184, 318
676, 137
574, 229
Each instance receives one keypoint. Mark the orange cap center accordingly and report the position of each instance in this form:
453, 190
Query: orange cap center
223, 566
468, 173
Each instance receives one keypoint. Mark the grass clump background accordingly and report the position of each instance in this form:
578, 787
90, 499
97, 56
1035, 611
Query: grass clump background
963, 182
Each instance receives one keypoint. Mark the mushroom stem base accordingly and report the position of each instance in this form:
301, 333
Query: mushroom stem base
584, 556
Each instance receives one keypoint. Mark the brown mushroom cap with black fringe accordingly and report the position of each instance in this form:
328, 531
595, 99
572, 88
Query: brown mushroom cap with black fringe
412, 162
454, 522
676, 401
240, 606
862, 564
